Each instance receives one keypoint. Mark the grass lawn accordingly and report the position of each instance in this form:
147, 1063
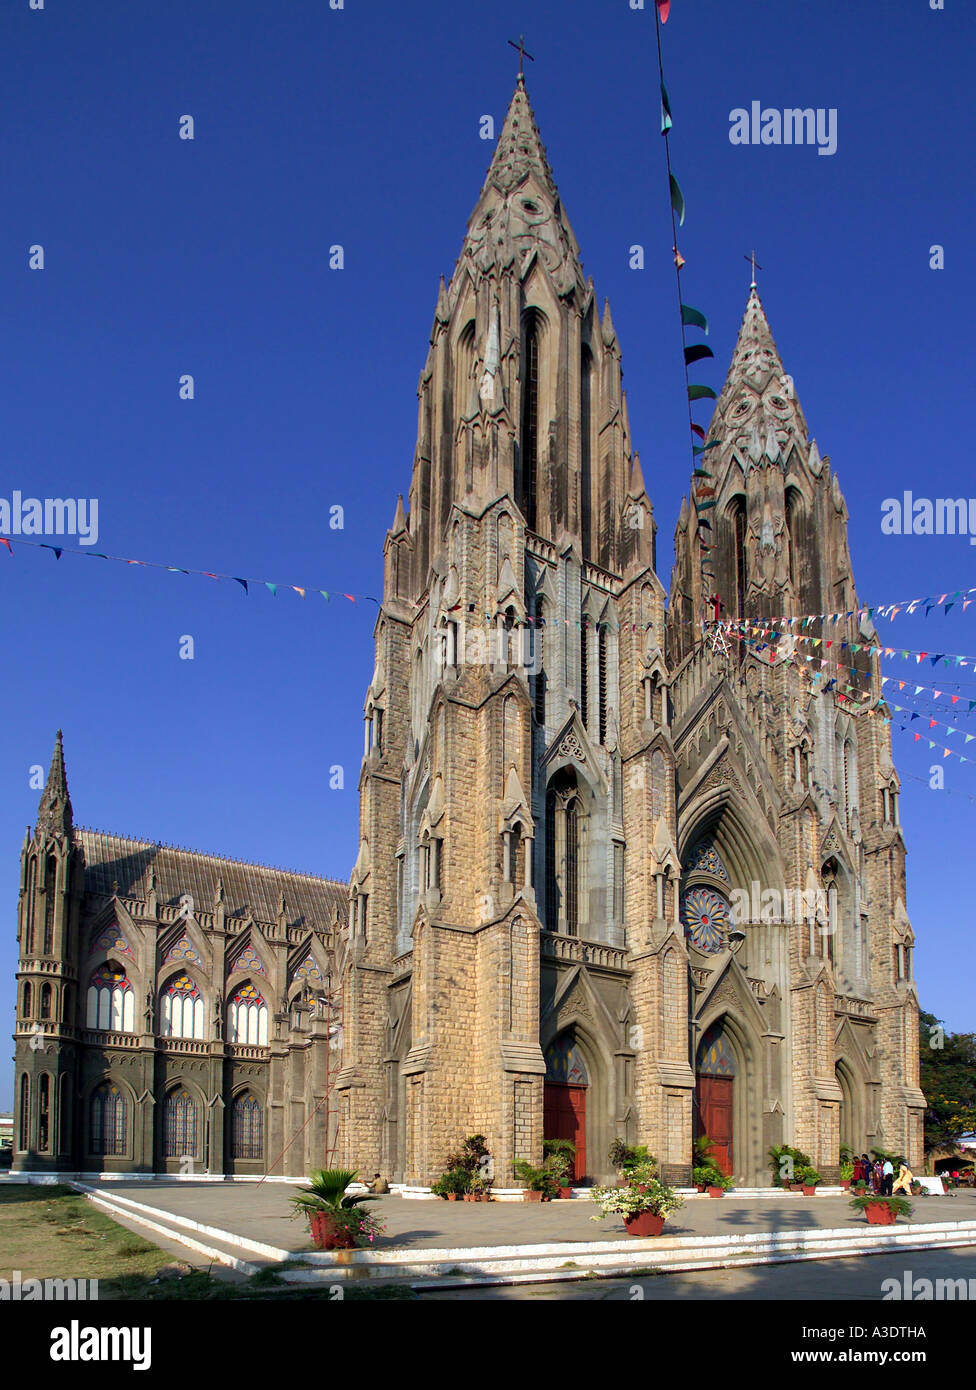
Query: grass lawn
55, 1233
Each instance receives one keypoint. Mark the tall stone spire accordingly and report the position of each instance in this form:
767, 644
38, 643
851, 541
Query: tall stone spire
770, 520
54, 811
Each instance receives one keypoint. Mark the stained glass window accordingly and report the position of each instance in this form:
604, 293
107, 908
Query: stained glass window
248, 1017
111, 1000
181, 1011
705, 858
705, 915
248, 1139
179, 1125
109, 1115
110, 938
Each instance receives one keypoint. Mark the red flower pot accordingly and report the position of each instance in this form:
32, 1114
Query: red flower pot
529, 1196
845, 1184
565, 1192
809, 1191
796, 1187
701, 1187
716, 1192
645, 1223
879, 1214
452, 1196
327, 1236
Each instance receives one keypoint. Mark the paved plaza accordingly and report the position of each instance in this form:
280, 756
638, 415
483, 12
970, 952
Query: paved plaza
262, 1213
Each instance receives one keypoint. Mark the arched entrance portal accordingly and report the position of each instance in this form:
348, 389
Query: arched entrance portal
715, 1079
564, 1104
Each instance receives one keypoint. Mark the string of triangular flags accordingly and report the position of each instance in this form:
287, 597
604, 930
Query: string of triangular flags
890, 611
703, 493
766, 636
303, 590
878, 706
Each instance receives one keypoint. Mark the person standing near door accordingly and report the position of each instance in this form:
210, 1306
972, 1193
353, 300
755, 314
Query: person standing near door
887, 1177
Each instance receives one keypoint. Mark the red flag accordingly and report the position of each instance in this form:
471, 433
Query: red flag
7, 544
664, 9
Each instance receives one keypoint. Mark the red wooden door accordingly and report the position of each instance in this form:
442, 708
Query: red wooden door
715, 1117
564, 1117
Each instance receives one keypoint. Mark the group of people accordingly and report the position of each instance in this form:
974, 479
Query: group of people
880, 1176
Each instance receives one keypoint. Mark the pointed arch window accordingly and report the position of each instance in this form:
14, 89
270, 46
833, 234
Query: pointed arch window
602, 679
565, 878
179, 1125
539, 661
181, 1011
50, 883
529, 440
793, 512
29, 935
466, 397
248, 1017
23, 1133
247, 1127
110, 1004
108, 1120
739, 556
586, 483
28, 998
47, 1005
585, 673
44, 1113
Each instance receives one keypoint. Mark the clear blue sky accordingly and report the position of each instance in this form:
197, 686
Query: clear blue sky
360, 127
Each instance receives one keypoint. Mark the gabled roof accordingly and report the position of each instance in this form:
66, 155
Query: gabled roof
248, 889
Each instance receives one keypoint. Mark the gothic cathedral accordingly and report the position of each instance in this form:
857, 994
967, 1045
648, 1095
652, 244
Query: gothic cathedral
618, 875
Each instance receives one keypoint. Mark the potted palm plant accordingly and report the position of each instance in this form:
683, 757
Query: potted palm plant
846, 1174
336, 1219
644, 1205
562, 1152
541, 1184
808, 1178
881, 1211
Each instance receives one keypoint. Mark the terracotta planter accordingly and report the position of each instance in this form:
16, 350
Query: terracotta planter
529, 1196
645, 1223
326, 1236
452, 1196
879, 1214
565, 1193
845, 1184
796, 1187
468, 1196
809, 1191
716, 1192
701, 1187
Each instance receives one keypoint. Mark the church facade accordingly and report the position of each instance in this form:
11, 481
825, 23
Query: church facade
619, 875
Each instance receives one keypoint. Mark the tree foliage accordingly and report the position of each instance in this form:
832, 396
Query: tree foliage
948, 1079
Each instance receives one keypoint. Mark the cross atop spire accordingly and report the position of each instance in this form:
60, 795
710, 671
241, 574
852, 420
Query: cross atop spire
755, 266
523, 53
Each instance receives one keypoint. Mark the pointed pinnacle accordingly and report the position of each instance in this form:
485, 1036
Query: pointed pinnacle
519, 146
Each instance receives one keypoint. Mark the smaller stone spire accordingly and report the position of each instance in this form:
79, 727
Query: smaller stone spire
399, 519
54, 811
